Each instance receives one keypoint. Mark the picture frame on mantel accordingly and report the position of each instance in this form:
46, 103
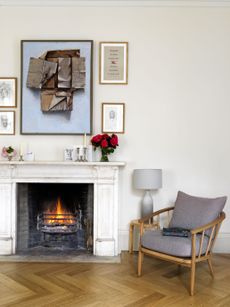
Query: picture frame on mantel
113, 117
8, 92
7, 122
113, 63
56, 87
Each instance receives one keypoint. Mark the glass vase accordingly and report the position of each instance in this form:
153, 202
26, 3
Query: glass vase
104, 157
9, 157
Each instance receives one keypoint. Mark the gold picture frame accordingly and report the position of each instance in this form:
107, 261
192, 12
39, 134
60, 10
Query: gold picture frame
7, 122
113, 63
8, 92
113, 117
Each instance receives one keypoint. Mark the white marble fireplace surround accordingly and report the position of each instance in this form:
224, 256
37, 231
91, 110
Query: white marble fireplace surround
104, 176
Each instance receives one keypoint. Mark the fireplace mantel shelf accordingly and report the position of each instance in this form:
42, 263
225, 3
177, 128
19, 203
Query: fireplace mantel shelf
103, 175
115, 163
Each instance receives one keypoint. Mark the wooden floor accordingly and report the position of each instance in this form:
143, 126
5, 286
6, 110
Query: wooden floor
162, 284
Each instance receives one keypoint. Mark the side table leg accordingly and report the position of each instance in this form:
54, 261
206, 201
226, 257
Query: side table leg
131, 238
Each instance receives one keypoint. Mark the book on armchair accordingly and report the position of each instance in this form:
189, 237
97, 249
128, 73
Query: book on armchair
176, 232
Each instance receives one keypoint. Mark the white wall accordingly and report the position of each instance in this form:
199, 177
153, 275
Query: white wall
177, 99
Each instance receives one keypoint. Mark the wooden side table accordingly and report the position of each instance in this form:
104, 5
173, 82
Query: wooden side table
135, 223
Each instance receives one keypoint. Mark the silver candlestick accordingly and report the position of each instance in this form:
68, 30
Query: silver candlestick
85, 154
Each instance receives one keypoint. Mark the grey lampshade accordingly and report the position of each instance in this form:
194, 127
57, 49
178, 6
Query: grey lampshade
147, 179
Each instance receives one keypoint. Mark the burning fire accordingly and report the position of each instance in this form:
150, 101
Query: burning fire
59, 215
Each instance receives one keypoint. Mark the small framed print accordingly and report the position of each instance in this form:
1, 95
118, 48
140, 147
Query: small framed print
8, 92
113, 117
7, 122
113, 63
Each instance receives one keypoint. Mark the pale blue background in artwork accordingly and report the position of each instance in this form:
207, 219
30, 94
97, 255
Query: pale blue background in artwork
36, 121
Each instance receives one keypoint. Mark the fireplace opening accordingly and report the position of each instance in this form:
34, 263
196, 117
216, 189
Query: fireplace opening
54, 216
57, 220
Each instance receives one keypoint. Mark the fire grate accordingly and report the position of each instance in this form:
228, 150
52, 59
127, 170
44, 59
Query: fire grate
51, 223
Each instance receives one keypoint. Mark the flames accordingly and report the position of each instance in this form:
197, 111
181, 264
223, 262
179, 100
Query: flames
59, 215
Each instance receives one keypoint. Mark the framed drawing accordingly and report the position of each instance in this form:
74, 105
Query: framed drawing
113, 63
113, 117
8, 92
7, 122
56, 86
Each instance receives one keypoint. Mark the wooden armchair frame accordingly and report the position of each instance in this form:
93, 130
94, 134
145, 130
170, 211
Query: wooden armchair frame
212, 228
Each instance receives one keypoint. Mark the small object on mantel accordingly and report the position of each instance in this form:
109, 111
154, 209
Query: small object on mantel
78, 153
106, 143
8, 152
85, 149
29, 156
68, 153
82, 153
84, 140
22, 149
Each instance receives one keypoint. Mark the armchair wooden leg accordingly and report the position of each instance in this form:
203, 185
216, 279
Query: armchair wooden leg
139, 265
210, 267
192, 280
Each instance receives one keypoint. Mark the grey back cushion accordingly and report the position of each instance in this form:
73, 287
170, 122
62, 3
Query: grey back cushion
191, 212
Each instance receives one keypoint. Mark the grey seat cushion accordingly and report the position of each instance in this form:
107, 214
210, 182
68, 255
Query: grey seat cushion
191, 212
175, 246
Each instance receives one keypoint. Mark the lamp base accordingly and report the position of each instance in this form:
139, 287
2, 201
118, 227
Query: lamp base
147, 204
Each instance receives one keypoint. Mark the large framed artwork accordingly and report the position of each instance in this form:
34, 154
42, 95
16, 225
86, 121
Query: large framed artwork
56, 86
113, 59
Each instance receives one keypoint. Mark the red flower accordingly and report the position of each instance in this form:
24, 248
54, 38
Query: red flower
96, 139
104, 143
105, 136
114, 140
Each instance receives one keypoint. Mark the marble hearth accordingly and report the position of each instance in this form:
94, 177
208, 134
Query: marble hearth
103, 176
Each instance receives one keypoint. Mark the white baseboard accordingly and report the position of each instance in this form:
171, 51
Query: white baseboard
222, 244
123, 239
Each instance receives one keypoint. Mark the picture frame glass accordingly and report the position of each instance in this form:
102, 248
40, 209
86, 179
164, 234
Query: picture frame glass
112, 118
7, 122
62, 104
7, 92
113, 63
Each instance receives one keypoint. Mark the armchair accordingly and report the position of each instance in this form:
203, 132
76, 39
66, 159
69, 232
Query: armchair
202, 216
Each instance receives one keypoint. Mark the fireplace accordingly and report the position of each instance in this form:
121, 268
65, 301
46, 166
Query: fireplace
18, 178
54, 217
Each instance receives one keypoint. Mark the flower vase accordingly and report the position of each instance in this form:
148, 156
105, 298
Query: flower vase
104, 157
9, 157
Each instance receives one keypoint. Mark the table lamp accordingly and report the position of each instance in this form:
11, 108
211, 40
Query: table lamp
147, 179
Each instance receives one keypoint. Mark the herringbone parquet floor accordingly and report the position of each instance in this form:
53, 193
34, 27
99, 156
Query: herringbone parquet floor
102, 285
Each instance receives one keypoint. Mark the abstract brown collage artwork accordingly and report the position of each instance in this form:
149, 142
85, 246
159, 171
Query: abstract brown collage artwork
58, 74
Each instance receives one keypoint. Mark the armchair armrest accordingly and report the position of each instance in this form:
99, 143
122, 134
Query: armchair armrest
209, 225
149, 218
156, 213
214, 227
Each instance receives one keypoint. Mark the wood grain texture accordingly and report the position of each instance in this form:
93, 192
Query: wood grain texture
78, 284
